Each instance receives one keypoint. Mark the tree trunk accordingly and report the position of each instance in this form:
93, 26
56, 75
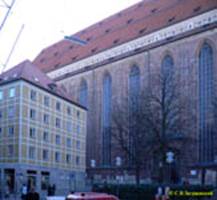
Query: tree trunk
137, 175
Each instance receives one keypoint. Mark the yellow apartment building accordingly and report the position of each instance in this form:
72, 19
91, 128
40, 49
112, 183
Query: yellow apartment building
42, 133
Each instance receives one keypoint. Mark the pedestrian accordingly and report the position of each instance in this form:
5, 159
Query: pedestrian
54, 189
49, 190
32, 195
24, 192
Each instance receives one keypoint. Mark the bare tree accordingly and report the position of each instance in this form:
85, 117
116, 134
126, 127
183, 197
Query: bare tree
155, 122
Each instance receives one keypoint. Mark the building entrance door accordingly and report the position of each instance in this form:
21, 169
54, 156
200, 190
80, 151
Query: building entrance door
9, 179
31, 181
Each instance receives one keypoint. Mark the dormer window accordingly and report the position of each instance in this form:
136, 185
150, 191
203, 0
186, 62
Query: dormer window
129, 21
107, 30
116, 41
142, 30
154, 10
88, 39
119, 14
139, 5
42, 60
52, 86
197, 9
74, 58
171, 19
94, 50
57, 65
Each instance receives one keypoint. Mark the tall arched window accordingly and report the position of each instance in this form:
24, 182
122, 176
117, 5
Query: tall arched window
134, 84
205, 103
83, 99
106, 119
134, 89
167, 66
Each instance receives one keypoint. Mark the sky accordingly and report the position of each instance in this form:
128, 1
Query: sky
48, 21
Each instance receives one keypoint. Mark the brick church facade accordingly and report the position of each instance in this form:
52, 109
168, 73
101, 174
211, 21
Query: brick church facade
140, 37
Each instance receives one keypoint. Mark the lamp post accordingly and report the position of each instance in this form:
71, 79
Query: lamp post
169, 160
118, 163
92, 165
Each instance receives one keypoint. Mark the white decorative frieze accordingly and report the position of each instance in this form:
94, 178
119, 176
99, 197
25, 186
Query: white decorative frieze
173, 30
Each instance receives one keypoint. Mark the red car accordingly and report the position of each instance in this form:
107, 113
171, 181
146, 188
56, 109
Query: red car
91, 196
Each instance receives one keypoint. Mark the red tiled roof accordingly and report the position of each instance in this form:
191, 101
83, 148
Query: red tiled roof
142, 18
29, 72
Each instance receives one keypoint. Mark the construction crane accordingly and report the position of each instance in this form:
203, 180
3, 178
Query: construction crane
7, 6
12, 49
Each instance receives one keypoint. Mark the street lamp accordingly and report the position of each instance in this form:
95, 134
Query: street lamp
118, 163
169, 160
92, 165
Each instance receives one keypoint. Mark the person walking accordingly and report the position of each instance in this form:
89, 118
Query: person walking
24, 192
32, 195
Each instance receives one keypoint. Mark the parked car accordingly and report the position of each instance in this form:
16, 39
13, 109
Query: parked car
90, 196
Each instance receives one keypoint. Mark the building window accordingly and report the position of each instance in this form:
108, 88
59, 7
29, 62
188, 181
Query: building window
11, 130
32, 114
106, 120
32, 152
78, 145
58, 139
46, 119
11, 111
167, 67
11, 92
46, 101
57, 122
45, 136
1, 114
77, 160
69, 111
57, 156
45, 180
206, 90
1, 95
10, 150
32, 132
45, 154
0, 130
78, 114
68, 158
69, 142
33, 95
134, 85
58, 106
69, 126
78, 129
83, 98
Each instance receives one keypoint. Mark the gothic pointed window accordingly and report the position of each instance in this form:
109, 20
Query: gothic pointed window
83, 98
134, 85
134, 89
167, 66
106, 120
205, 103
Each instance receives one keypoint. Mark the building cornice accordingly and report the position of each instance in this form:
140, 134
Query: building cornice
153, 39
48, 91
